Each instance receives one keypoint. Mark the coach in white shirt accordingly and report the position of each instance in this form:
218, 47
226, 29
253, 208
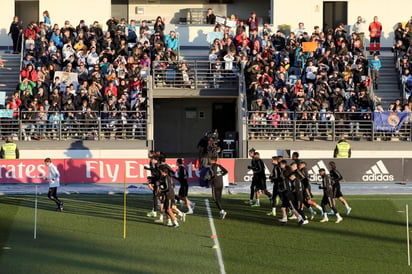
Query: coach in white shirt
53, 178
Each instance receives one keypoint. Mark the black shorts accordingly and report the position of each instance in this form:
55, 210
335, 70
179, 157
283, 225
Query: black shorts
259, 183
337, 193
328, 200
288, 199
183, 190
168, 203
307, 194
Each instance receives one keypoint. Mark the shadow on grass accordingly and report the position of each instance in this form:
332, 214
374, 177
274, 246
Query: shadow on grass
111, 207
59, 250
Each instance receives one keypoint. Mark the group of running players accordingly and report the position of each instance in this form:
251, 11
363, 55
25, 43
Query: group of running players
292, 189
162, 186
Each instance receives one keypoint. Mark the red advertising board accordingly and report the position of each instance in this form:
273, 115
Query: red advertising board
94, 170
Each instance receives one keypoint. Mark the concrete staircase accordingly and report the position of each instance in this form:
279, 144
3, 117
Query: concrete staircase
388, 83
9, 73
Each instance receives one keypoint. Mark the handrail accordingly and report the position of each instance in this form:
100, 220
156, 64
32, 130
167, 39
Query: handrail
21, 54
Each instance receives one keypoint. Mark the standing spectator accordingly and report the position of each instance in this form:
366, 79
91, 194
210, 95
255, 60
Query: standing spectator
159, 26
253, 23
359, 28
300, 30
9, 150
375, 31
375, 66
111, 25
15, 32
210, 17
46, 19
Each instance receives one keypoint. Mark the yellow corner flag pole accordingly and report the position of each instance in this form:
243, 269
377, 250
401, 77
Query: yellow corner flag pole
124, 207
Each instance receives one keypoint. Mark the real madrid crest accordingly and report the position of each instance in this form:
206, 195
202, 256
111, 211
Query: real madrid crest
393, 119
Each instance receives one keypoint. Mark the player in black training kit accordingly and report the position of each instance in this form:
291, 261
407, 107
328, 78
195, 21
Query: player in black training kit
259, 179
216, 182
327, 198
166, 187
252, 166
337, 193
303, 174
276, 177
284, 188
153, 182
184, 186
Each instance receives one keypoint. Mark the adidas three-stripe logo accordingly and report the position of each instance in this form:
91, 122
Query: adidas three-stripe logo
378, 172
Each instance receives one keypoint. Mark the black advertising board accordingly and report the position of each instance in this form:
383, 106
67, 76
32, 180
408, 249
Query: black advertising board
352, 170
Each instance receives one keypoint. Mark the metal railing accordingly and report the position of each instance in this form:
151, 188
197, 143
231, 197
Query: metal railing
307, 126
196, 75
88, 125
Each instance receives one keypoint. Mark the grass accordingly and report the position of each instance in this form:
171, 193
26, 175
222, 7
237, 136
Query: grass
88, 238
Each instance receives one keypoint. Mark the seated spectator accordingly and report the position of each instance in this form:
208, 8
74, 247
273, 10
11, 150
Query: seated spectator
29, 72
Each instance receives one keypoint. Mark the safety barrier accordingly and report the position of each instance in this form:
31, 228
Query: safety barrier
262, 125
195, 75
84, 125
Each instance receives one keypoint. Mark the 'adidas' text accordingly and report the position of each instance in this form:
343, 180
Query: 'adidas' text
378, 172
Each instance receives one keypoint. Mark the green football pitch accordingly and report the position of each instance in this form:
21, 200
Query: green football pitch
88, 238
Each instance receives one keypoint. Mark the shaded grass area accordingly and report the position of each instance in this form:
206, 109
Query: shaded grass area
88, 238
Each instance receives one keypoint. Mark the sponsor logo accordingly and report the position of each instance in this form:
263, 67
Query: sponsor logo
249, 175
378, 172
314, 171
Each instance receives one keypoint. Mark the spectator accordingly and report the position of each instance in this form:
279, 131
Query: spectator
15, 32
210, 17
172, 44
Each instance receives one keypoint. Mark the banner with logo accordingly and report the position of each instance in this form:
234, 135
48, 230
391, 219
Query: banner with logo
94, 170
352, 170
66, 79
389, 121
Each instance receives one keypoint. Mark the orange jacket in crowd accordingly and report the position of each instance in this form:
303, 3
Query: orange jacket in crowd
375, 29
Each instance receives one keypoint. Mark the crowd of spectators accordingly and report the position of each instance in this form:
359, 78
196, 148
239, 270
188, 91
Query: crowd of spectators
286, 82
403, 54
111, 64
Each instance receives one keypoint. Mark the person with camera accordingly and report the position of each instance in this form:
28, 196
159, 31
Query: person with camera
207, 147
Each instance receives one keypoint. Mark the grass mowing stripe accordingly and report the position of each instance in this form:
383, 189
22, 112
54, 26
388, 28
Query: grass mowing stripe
215, 240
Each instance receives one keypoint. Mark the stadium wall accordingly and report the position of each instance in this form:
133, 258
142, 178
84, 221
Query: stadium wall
132, 170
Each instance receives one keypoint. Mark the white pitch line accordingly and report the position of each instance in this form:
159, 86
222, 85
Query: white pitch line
215, 239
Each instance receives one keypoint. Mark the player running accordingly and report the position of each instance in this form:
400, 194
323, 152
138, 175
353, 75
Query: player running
215, 179
259, 179
53, 178
327, 198
276, 177
336, 177
303, 175
166, 187
184, 186
284, 188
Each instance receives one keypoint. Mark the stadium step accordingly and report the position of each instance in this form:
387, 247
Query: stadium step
388, 86
9, 73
